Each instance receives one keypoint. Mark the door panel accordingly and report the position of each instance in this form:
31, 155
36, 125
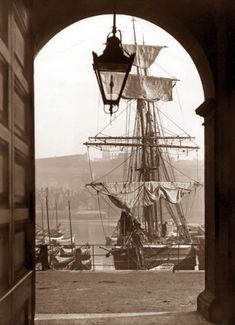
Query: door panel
4, 258
16, 164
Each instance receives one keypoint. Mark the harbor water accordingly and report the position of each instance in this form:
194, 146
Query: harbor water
92, 227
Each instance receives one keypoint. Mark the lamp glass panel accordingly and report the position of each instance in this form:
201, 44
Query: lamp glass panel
112, 83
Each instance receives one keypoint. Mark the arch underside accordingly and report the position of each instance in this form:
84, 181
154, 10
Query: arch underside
51, 18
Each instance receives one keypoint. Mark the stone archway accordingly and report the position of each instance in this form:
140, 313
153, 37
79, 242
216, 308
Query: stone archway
49, 24
194, 42
207, 32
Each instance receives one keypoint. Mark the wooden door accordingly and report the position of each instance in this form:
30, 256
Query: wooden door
16, 164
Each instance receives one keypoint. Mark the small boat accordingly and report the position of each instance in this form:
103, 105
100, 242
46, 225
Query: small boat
65, 241
82, 265
182, 256
66, 252
59, 262
85, 252
165, 267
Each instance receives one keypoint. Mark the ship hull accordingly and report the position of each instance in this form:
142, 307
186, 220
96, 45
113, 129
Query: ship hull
182, 256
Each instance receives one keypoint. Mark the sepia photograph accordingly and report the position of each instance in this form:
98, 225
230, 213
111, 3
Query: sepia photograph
116, 148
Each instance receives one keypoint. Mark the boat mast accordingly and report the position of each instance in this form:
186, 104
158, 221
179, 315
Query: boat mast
48, 225
153, 165
142, 169
148, 147
146, 170
42, 218
56, 215
140, 110
70, 225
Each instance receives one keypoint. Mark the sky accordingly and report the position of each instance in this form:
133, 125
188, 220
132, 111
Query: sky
68, 106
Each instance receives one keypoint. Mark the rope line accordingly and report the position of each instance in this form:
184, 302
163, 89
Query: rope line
89, 159
170, 75
180, 171
98, 200
116, 167
116, 116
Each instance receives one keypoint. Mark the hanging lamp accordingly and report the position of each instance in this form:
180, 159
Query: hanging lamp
112, 69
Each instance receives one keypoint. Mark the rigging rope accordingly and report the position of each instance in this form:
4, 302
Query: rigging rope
127, 130
173, 122
98, 200
171, 176
178, 98
180, 171
170, 75
116, 116
108, 203
197, 167
99, 103
192, 203
116, 167
89, 159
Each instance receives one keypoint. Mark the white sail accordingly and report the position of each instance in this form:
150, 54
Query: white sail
148, 88
140, 87
131, 194
145, 54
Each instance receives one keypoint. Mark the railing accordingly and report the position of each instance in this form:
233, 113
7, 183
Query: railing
94, 257
99, 261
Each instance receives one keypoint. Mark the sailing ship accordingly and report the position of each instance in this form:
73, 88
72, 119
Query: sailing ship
150, 197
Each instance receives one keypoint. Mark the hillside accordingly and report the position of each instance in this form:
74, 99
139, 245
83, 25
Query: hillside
73, 172
66, 178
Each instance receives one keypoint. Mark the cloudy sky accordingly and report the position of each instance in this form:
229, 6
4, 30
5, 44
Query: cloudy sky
67, 100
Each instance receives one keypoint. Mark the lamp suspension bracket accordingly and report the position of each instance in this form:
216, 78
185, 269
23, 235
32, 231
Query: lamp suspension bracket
114, 24
112, 69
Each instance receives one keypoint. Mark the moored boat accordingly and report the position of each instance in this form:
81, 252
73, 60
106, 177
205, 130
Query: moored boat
181, 256
149, 196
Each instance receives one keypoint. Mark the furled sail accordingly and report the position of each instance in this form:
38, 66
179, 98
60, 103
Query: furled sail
145, 54
148, 88
139, 87
133, 194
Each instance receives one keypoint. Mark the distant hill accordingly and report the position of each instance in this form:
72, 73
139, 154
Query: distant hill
73, 172
68, 172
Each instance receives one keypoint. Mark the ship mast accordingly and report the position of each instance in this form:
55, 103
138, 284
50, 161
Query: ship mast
145, 170
146, 161
140, 110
